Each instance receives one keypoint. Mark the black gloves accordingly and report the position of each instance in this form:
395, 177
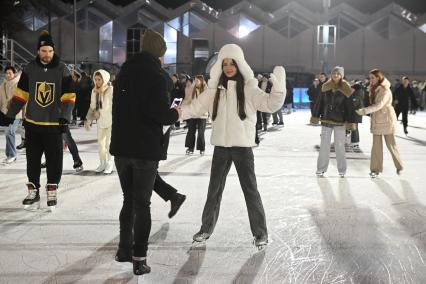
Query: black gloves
5, 120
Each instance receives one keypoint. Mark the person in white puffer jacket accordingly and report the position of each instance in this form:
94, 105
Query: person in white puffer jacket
232, 98
101, 105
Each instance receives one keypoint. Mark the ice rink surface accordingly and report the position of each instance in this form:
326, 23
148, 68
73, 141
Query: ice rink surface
322, 230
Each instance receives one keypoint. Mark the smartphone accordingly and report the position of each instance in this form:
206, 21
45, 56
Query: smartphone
176, 102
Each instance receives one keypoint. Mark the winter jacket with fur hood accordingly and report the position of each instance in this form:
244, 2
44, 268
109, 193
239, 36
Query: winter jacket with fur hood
383, 117
7, 88
333, 106
228, 130
101, 100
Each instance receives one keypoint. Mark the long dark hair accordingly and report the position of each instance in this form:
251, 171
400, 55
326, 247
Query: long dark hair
223, 81
201, 89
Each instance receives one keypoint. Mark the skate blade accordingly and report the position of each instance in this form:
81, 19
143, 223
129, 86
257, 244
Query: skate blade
32, 207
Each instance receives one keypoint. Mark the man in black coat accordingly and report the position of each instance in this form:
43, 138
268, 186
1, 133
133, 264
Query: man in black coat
403, 94
141, 107
313, 93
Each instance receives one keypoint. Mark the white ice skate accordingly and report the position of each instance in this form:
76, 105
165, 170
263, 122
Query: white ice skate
51, 196
260, 243
32, 200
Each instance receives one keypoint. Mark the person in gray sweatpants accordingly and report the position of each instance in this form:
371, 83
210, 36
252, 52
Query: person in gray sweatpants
337, 113
232, 98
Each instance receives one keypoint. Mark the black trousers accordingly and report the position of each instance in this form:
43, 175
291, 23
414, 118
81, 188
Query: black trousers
404, 112
193, 125
262, 118
137, 179
51, 145
163, 189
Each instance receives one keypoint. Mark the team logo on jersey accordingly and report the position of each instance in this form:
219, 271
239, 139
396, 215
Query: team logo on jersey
45, 93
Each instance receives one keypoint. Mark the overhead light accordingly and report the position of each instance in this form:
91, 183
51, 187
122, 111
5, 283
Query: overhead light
16, 2
148, 2
271, 15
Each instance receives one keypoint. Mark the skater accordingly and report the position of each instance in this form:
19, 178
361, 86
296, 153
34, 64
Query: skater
333, 108
313, 93
263, 117
199, 123
85, 86
357, 99
45, 86
383, 122
403, 94
141, 107
7, 88
101, 104
233, 98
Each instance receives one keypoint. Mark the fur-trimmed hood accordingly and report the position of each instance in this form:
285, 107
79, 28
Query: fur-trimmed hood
344, 87
235, 52
105, 77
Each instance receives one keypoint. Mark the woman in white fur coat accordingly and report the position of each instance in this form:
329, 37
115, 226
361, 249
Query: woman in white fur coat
101, 107
232, 98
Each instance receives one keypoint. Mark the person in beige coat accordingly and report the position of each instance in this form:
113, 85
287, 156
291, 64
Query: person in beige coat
7, 89
191, 94
383, 122
101, 110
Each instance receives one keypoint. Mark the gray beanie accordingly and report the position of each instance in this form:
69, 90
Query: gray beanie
340, 70
153, 43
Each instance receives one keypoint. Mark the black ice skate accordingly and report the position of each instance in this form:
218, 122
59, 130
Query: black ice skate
200, 237
33, 198
78, 166
260, 243
123, 255
51, 195
140, 267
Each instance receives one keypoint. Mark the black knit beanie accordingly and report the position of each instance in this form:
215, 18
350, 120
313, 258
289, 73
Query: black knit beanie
45, 39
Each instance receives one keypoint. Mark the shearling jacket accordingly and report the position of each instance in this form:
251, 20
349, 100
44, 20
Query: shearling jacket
228, 130
383, 117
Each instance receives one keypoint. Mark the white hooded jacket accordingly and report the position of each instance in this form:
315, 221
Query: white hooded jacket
105, 118
228, 130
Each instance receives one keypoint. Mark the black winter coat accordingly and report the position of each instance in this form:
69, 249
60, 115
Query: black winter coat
402, 95
141, 106
313, 93
333, 105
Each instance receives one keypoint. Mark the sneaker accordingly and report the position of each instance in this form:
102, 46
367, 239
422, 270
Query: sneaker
21, 146
176, 203
140, 267
201, 237
78, 166
123, 255
109, 167
9, 160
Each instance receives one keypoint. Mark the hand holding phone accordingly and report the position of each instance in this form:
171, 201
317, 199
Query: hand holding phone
176, 102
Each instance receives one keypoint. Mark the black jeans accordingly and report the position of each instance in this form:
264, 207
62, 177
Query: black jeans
51, 145
244, 164
355, 135
137, 179
277, 117
262, 118
163, 189
71, 144
193, 125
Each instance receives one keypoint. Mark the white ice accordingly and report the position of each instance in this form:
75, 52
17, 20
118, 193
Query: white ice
322, 230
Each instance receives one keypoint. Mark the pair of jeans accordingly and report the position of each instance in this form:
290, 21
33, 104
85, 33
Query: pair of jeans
72, 146
137, 179
193, 125
51, 145
243, 159
339, 146
10, 138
